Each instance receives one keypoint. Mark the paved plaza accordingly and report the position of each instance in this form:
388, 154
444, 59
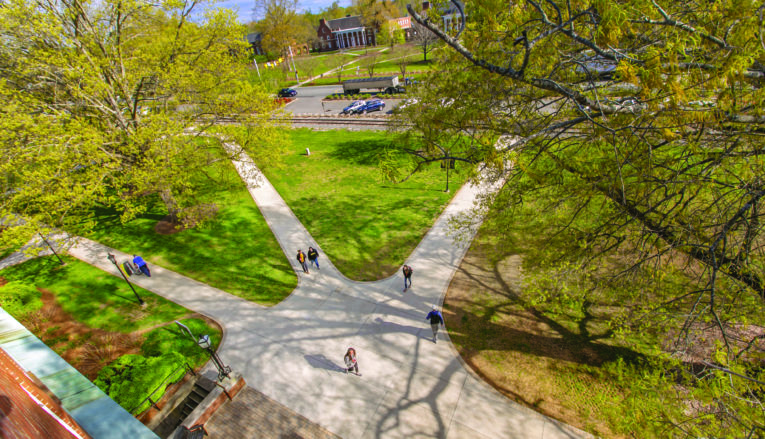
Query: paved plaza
293, 352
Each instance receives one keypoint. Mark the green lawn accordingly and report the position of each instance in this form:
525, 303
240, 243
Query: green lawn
95, 322
94, 297
368, 227
236, 252
418, 65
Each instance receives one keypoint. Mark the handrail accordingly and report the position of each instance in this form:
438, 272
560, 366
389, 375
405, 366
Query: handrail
148, 398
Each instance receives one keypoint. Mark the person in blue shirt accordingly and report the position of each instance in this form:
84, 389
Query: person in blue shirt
436, 319
141, 264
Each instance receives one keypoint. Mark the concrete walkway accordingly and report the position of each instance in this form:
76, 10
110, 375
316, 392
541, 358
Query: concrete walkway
292, 352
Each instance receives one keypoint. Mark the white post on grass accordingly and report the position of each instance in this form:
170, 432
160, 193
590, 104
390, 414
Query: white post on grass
256, 67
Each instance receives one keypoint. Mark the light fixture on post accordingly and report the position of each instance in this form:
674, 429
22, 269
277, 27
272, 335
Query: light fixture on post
114, 261
223, 370
51, 248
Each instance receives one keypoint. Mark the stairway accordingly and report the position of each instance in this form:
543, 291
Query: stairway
202, 387
198, 393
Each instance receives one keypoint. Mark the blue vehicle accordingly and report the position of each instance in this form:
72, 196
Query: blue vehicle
374, 104
287, 93
355, 107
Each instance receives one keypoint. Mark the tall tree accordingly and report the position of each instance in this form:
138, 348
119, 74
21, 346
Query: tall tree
400, 57
369, 62
106, 103
637, 125
280, 25
385, 36
423, 37
374, 13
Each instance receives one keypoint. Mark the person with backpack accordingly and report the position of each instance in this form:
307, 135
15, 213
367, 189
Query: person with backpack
313, 256
436, 319
301, 259
141, 264
351, 365
407, 276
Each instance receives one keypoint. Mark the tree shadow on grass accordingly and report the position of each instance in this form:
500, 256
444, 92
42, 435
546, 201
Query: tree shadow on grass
360, 152
553, 340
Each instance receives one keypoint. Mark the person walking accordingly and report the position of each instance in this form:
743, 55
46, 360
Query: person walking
141, 264
301, 259
351, 364
436, 319
313, 256
407, 270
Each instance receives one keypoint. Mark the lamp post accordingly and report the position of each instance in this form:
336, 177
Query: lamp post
223, 370
114, 261
51, 247
204, 343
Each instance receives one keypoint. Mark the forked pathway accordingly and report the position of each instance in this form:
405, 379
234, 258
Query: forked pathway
293, 351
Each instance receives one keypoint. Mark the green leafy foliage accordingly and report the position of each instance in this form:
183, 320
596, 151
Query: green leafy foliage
19, 298
103, 104
629, 138
172, 338
214, 253
132, 378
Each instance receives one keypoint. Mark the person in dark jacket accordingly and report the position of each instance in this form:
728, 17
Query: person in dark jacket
313, 256
407, 270
436, 319
141, 264
301, 259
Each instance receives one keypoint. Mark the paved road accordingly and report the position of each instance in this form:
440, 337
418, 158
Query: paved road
309, 101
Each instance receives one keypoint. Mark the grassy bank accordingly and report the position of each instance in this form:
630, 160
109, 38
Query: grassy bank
94, 322
366, 225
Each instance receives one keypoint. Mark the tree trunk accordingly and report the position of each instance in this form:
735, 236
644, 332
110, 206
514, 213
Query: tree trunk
172, 206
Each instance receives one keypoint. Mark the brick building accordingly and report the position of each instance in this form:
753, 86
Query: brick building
344, 33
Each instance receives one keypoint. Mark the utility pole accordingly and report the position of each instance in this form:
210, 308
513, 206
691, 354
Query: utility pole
293, 63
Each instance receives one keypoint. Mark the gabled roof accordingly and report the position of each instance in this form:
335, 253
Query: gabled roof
452, 9
345, 23
254, 37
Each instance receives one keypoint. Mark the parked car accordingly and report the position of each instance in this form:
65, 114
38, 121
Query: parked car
374, 104
354, 108
287, 93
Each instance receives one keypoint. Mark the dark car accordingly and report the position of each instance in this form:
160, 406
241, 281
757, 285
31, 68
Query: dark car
374, 104
287, 93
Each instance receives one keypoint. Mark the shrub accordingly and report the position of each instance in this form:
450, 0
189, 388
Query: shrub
19, 298
171, 338
132, 378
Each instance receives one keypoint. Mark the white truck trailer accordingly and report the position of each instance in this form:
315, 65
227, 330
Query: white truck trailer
388, 84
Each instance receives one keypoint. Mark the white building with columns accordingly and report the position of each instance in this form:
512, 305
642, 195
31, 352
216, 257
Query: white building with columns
344, 33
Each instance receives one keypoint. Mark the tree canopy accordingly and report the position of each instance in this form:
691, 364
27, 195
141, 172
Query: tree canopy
281, 26
635, 128
109, 103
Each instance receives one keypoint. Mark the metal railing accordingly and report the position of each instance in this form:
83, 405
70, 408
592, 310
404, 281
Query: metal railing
151, 395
